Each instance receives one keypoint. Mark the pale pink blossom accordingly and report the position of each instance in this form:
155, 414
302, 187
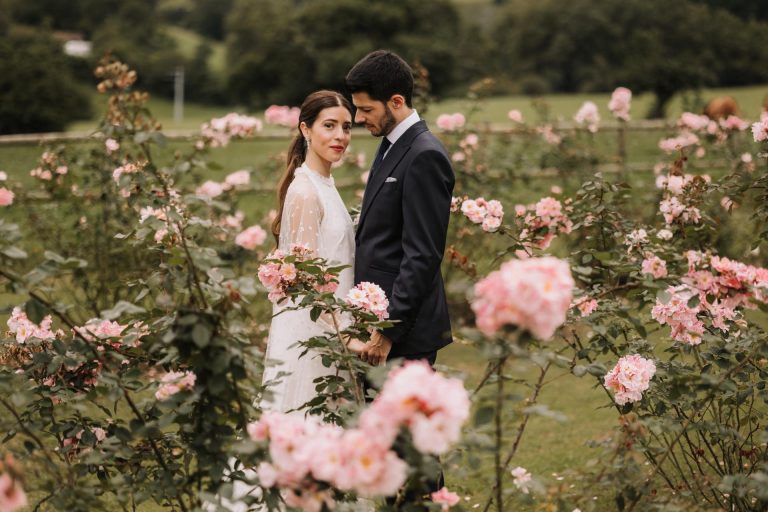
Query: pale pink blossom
683, 140
237, 179
655, 266
664, 234
369, 297
12, 496
458, 156
3, 176
683, 320
445, 498
588, 115
760, 130
556, 189
693, 121
522, 479
734, 123
23, 328
471, 141
124, 169
586, 306
432, 406
547, 132
210, 189
636, 237
629, 378
111, 145
515, 116
533, 294
6, 197
218, 131
746, 158
451, 122
173, 382
102, 329
251, 237
282, 115
474, 210
727, 203
620, 103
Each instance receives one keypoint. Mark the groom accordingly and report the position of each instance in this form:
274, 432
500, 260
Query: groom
403, 222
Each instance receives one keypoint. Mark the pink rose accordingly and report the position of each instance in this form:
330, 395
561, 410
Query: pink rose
251, 237
620, 103
445, 498
629, 378
515, 116
12, 496
6, 197
655, 266
589, 116
533, 294
237, 179
210, 189
451, 122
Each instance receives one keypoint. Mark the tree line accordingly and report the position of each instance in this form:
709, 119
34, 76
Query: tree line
279, 50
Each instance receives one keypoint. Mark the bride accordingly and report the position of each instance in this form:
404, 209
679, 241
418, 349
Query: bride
311, 213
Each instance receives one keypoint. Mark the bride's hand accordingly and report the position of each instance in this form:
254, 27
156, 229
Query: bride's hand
356, 346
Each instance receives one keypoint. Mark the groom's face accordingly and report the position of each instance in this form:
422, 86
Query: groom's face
375, 115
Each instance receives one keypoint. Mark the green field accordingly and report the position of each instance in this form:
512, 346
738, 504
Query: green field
560, 107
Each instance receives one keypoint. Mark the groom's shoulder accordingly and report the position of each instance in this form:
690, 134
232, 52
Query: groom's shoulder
428, 141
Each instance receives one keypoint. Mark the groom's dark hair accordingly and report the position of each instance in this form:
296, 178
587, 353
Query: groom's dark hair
381, 74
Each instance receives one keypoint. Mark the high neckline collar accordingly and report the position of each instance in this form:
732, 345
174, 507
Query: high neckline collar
328, 180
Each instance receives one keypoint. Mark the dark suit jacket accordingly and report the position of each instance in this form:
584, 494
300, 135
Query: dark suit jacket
400, 239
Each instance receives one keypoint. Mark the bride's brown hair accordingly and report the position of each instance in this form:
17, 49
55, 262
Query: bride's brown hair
310, 109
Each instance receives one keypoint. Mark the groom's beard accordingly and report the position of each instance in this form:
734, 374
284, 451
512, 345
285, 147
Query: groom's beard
388, 122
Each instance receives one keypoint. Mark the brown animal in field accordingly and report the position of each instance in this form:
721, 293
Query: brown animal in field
721, 107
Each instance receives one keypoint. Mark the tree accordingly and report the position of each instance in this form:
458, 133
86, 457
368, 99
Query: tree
279, 56
648, 45
37, 90
133, 33
744, 9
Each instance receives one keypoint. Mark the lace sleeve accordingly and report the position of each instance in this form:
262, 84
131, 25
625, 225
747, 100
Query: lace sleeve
302, 214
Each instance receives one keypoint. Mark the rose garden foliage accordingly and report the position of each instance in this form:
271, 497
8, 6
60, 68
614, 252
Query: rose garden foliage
130, 371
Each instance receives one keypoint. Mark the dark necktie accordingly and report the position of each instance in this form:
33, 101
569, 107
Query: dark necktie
380, 155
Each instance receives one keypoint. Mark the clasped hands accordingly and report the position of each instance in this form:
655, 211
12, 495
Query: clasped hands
374, 352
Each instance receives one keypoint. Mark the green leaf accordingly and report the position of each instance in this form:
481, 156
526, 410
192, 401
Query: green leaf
121, 308
201, 335
484, 415
35, 310
14, 252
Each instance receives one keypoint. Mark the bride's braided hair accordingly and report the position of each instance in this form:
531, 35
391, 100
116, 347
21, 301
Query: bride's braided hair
310, 110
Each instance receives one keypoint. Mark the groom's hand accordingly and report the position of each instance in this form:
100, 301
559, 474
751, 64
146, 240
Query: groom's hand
377, 349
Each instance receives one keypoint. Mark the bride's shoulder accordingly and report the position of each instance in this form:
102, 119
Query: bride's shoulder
301, 187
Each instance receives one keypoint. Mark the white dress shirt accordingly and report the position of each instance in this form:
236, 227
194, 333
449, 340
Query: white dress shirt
401, 128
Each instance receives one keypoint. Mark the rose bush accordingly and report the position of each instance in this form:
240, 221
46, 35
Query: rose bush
130, 365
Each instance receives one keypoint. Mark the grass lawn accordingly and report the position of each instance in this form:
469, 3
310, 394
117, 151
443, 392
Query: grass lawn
560, 107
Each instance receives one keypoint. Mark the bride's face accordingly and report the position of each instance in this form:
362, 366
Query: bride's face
330, 133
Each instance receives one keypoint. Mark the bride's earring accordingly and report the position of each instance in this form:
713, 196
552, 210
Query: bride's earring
308, 141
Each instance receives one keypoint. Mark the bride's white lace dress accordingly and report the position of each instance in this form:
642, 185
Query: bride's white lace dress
313, 215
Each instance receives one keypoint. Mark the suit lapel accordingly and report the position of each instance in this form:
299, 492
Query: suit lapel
387, 166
